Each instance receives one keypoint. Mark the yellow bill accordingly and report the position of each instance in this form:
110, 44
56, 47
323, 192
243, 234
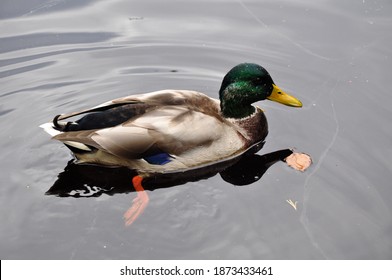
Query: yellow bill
280, 96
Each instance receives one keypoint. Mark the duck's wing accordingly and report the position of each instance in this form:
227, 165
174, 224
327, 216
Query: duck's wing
156, 98
171, 123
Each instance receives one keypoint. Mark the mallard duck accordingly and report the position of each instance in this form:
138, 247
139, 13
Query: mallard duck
173, 130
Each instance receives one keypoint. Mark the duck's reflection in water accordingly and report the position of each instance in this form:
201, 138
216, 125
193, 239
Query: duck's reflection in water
92, 181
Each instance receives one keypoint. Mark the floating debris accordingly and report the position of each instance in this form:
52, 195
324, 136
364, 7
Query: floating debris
135, 18
292, 203
299, 161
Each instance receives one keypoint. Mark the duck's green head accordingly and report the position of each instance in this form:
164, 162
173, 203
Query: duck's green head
247, 83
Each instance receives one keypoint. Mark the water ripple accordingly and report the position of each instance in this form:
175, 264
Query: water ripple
28, 41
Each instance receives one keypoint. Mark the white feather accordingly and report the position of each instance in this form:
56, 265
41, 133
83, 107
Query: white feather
48, 127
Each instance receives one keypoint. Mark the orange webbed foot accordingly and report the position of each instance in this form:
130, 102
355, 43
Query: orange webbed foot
138, 204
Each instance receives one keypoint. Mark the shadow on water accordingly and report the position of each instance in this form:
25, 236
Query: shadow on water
92, 181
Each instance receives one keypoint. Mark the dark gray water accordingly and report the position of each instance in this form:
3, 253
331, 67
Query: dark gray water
60, 56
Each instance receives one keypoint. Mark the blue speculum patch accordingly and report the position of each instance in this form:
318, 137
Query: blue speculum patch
158, 159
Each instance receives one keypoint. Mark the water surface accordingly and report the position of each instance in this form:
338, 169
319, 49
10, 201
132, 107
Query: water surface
335, 56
